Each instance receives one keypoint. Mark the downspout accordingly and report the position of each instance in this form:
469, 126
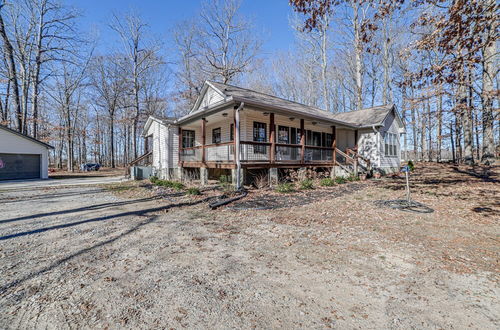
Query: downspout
169, 148
237, 146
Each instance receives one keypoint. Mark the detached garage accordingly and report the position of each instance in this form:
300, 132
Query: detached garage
22, 157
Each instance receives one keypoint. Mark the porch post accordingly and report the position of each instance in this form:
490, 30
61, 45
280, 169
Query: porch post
180, 145
272, 137
334, 143
234, 135
203, 139
239, 179
302, 141
356, 140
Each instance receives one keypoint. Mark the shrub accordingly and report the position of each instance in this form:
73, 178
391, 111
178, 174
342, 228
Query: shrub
177, 185
153, 179
225, 179
169, 184
285, 187
327, 182
339, 180
261, 181
306, 184
411, 166
353, 177
193, 191
226, 183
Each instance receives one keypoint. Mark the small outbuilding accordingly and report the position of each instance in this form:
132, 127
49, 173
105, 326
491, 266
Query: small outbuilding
22, 157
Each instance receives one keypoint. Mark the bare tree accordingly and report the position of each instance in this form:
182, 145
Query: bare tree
490, 71
142, 55
110, 84
13, 76
226, 44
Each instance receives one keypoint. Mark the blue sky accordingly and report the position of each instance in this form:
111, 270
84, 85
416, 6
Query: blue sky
270, 17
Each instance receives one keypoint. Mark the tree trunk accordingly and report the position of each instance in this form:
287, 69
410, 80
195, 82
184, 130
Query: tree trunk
112, 139
36, 74
5, 112
423, 131
489, 68
9, 54
452, 144
386, 97
429, 131
458, 138
324, 61
414, 126
439, 125
358, 50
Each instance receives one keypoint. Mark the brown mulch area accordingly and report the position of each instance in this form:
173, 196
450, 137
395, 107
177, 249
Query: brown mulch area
269, 199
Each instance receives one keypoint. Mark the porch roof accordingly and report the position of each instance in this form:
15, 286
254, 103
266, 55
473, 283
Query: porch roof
251, 97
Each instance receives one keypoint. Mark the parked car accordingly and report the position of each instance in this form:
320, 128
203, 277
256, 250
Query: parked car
90, 167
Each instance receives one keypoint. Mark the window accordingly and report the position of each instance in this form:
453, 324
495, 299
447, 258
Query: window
187, 138
216, 136
328, 140
231, 132
299, 136
390, 144
316, 139
259, 135
283, 134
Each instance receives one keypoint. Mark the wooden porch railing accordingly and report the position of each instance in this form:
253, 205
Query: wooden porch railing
252, 152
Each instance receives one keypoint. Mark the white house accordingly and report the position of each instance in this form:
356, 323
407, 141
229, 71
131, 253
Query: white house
22, 157
235, 129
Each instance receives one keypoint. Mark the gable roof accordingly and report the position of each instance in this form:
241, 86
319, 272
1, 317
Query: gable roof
161, 120
208, 84
26, 137
374, 116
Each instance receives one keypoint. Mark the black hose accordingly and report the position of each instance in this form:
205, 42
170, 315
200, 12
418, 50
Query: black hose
217, 204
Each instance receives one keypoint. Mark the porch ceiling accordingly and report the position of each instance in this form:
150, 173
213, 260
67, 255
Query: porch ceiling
222, 116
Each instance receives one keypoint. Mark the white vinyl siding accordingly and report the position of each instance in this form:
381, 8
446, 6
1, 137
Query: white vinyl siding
165, 143
211, 97
390, 126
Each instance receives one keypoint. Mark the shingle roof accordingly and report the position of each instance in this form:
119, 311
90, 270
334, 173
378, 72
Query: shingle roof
248, 95
26, 136
365, 117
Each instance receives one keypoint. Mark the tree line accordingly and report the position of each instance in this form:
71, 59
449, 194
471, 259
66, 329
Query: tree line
436, 60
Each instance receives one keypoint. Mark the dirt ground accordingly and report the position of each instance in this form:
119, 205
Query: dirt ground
132, 256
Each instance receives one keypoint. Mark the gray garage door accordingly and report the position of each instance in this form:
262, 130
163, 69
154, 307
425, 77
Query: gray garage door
19, 166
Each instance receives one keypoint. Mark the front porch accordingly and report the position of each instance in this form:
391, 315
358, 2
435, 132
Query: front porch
265, 140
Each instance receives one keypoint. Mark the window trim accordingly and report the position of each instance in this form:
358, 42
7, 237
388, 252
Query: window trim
185, 133
219, 131
257, 149
391, 145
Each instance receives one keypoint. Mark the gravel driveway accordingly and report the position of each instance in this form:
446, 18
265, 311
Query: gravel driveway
82, 258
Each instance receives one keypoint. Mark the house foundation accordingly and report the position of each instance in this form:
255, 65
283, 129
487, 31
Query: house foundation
235, 176
203, 176
273, 176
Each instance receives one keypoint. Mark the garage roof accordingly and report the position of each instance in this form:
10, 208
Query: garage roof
26, 136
